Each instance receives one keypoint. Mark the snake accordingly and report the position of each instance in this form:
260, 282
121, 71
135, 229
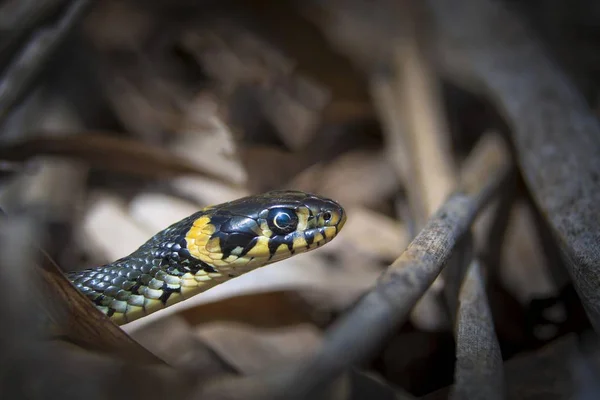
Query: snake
207, 248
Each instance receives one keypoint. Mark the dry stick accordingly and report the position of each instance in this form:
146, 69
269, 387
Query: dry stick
357, 334
556, 136
479, 371
19, 76
429, 140
490, 143
431, 171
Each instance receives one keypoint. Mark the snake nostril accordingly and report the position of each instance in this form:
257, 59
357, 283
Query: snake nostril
326, 216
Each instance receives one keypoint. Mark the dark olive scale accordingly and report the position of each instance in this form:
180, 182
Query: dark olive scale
126, 276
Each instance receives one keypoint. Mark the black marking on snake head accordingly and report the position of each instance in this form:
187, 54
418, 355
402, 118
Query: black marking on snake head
278, 240
239, 224
110, 312
230, 241
274, 243
249, 246
322, 232
309, 236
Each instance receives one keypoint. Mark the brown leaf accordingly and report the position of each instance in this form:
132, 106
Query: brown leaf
265, 310
173, 340
252, 350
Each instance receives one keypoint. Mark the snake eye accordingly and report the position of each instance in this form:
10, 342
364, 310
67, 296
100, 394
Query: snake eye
282, 221
326, 216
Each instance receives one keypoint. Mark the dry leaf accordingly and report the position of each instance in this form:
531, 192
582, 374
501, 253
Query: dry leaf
206, 141
251, 350
339, 178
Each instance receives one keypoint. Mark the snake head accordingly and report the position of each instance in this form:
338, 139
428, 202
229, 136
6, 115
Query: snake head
259, 230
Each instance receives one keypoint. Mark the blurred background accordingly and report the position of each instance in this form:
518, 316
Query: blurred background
121, 117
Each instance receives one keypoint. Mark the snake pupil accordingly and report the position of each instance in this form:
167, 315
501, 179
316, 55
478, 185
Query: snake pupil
282, 221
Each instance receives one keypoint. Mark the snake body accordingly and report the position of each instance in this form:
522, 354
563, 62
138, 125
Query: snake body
207, 248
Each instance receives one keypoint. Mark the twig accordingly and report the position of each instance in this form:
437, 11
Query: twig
19, 76
479, 371
414, 121
556, 136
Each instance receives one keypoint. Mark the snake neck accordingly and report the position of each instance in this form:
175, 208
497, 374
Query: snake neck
158, 274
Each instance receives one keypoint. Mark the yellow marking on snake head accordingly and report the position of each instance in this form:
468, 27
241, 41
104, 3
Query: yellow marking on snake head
302, 213
220, 263
260, 249
214, 245
239, 263
329, 232
318, 237
200, 244
237, 251
202, 222
265, 230
194, 233
299, 242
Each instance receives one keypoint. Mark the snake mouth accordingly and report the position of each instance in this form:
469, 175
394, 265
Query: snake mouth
343, 217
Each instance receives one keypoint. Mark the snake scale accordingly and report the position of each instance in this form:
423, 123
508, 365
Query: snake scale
207, 248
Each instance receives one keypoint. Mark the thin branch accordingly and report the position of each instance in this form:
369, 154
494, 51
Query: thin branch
479, 371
